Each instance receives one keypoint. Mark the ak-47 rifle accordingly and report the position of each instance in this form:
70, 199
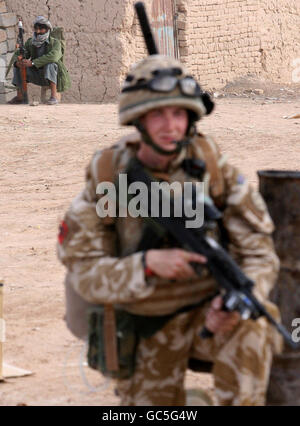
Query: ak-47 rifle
21, 47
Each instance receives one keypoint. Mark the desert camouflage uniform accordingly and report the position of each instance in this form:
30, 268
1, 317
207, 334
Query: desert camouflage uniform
100, 274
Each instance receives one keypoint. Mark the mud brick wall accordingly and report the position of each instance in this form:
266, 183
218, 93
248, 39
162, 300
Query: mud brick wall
219, 40
279, 24
97, 37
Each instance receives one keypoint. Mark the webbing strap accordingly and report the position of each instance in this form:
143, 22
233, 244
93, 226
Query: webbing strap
105, 173
110, 338
216, 178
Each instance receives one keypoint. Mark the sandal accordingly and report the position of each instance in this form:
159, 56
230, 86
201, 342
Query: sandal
52, 101
15, 101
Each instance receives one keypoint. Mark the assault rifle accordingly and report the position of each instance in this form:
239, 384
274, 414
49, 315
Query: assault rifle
235, 287
21, 47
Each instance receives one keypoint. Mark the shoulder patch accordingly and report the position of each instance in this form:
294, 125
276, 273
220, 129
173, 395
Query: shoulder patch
63, 232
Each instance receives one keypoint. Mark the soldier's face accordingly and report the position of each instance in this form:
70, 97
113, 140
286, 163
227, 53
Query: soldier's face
166, 125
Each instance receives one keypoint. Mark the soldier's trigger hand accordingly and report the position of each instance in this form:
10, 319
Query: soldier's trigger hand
173, 264
218, 321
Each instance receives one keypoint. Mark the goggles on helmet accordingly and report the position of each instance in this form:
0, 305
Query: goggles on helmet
165, 81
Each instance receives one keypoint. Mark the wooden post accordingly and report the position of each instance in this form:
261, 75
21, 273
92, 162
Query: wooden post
7, 371
2, 332
281, 191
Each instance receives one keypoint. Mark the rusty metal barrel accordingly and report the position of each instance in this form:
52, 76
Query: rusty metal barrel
1, 332
281, 191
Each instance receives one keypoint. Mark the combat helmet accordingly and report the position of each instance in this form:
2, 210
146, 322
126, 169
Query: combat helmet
160, 81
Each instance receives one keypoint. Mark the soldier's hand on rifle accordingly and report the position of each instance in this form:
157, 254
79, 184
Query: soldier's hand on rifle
173, 264
27, 63
218, 321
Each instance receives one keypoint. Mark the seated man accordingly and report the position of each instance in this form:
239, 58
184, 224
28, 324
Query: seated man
44, 65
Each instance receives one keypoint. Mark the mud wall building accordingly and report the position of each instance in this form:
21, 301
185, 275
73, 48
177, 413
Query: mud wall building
219, 40
7, 44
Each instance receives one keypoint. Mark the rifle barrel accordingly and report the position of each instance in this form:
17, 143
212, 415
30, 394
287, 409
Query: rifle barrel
146, 29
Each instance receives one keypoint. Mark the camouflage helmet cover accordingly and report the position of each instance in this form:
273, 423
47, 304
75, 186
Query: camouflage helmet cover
134, 104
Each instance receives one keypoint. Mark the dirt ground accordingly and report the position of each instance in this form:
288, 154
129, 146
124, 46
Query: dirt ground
43, 152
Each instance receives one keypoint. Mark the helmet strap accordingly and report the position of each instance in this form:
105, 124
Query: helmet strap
147, 139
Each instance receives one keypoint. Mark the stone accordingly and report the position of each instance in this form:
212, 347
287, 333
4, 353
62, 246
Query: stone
11, 45
2, 94
3, 48
3, 36
258, 91
3, 7
217, 95
11, 33
2, 69
7, 20
4, 98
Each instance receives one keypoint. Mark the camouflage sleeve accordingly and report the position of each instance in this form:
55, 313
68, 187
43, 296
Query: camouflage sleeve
87, 247
249, 229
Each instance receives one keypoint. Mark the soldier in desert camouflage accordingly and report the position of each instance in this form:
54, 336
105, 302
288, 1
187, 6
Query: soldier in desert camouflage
104, 266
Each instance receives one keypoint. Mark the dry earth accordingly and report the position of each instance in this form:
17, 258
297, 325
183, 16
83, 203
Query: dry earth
44, 151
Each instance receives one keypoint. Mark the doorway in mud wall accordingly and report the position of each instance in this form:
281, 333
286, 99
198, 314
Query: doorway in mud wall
164, 19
